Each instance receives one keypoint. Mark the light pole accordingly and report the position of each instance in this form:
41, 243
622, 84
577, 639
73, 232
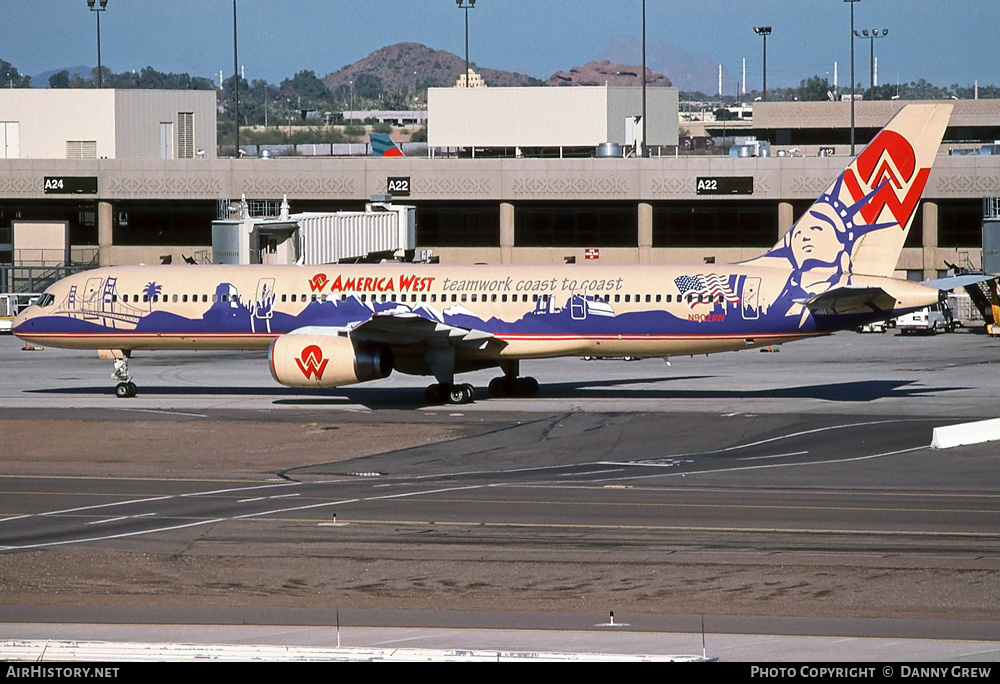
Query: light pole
236, 82
852, 73
643, 151
461, 5
763, 32
864, 35
97, 7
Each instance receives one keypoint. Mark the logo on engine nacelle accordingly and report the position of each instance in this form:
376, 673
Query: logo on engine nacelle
311, 362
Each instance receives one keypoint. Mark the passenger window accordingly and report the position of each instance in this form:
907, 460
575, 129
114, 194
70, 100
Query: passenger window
473, 297
463, 297
184, 299
174, 300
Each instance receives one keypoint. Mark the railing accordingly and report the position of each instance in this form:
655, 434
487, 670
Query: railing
86, 257
33, 279
231, 209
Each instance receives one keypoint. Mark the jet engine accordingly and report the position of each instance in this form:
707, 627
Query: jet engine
303, 360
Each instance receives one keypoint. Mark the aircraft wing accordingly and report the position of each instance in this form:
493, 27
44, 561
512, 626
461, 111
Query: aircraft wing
850, 300
958, 281
406, 328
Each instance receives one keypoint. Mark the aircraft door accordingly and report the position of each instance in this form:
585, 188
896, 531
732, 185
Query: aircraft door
749, 301
262, 309
578, 306
90, 301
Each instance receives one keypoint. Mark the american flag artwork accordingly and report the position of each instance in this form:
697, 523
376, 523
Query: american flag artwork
712, 285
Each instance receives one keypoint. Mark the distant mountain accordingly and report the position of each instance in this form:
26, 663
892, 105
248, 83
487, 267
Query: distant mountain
687, 70
404, 66
605, 73
42, 79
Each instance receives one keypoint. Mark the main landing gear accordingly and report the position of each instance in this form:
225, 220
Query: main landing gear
445, 393
509, 385
125, 387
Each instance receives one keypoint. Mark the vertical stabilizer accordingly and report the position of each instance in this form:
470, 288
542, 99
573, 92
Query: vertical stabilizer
859, 224
383, 146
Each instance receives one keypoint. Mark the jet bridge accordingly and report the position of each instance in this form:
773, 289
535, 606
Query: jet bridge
382, 230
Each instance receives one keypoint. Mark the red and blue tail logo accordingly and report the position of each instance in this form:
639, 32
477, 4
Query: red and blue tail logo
383, 146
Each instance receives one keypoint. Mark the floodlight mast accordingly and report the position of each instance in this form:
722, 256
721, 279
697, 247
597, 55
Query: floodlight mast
763, 32
471, 5
98, 6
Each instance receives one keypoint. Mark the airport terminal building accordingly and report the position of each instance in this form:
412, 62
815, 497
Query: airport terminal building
133, 176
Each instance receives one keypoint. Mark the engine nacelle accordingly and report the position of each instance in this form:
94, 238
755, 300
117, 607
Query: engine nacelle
326, 361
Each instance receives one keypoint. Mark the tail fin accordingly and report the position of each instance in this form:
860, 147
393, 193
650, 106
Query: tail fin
860, 223
383, 146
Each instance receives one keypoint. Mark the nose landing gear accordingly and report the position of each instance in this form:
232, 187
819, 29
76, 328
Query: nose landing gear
125, 387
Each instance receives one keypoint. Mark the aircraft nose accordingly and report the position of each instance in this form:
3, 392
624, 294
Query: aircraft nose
21, 322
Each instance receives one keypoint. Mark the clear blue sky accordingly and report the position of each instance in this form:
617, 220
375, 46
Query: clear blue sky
942, 42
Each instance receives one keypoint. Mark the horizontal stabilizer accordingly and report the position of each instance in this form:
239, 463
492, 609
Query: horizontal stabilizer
958, 281
850, 300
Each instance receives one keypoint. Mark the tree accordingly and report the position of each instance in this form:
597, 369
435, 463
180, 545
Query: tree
368, 87
814, 89
306, 91
59, 80
10, 78
353, 132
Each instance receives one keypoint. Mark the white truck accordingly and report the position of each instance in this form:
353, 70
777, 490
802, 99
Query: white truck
930, 320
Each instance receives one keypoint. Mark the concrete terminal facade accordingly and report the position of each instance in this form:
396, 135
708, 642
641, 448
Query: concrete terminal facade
522, 210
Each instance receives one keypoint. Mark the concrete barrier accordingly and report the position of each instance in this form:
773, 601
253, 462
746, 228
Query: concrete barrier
966, 433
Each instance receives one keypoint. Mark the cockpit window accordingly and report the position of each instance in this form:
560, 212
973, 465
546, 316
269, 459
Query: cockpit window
46, 299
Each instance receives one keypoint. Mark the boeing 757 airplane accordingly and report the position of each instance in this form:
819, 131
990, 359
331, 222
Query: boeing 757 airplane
333, 325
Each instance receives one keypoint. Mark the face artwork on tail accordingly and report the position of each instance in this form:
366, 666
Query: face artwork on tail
819, 248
